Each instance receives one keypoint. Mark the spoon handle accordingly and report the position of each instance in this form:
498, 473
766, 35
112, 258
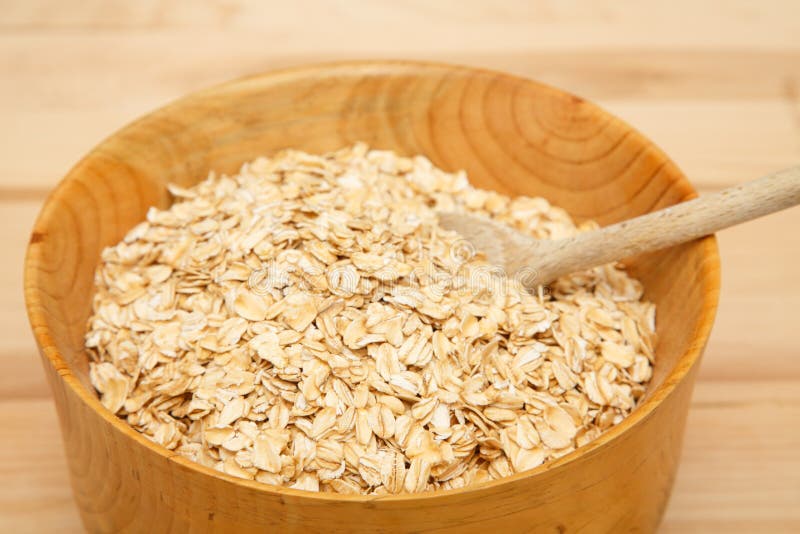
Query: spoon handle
676, 224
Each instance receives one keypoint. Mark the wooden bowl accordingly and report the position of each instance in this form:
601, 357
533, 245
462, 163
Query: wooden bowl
511, 135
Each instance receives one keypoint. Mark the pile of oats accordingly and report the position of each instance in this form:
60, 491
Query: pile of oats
307, 324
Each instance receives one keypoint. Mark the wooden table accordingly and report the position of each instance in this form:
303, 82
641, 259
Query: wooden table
715, 83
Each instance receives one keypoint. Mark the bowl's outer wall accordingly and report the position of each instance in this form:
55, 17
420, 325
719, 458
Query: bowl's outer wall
511, 135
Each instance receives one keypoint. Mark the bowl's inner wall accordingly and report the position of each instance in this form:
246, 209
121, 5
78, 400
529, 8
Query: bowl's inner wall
510, 135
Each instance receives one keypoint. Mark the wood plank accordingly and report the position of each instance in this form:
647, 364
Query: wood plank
77, 69
726, 482
35, 495
22, 375
740, 139
740, 470
461, 25
719, 90
755, 332
721, 141
69, 91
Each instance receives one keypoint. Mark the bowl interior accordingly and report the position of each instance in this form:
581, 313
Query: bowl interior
509, 134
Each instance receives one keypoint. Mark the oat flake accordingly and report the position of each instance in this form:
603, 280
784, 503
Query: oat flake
306, 323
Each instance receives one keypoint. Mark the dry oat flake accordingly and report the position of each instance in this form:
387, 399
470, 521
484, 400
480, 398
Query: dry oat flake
306, 323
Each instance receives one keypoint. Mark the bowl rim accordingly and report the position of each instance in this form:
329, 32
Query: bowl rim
710, 269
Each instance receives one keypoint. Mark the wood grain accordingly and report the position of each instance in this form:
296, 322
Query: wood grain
509, 134
737, 104
459, 25
723, 461
41, 500
718, 93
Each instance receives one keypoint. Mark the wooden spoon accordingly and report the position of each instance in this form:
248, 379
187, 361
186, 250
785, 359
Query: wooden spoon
540, 261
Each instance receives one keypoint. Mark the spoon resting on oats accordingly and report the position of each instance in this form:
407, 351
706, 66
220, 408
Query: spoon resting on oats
538, 261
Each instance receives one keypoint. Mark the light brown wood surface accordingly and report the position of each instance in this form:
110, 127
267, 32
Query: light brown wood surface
719, 91
540, 261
